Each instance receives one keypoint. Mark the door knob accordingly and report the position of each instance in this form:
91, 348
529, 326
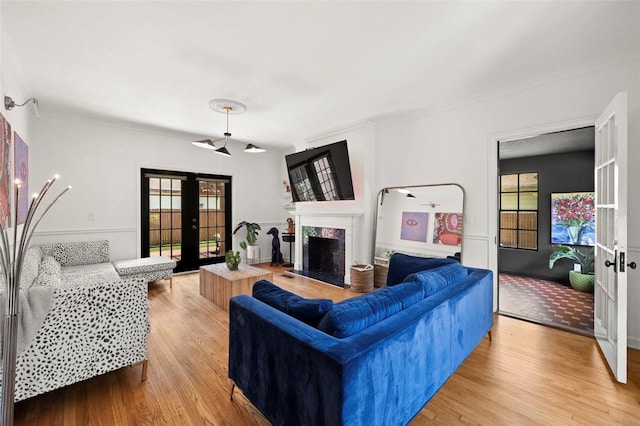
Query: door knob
194, 227
609, 264
632, 265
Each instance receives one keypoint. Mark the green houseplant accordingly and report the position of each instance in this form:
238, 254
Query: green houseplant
580, 280
249, 244
232, 260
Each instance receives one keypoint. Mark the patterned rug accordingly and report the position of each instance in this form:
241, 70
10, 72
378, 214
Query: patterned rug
546, 302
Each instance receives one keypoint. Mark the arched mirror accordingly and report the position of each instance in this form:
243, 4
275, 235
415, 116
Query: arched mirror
422, 220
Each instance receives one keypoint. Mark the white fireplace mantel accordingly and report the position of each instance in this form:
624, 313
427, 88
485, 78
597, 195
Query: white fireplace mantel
351, 222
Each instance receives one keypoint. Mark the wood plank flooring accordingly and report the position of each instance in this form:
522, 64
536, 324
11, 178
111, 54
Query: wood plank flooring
529, 374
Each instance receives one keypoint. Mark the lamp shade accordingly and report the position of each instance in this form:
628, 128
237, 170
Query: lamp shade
253, 148
205, 143
223, 151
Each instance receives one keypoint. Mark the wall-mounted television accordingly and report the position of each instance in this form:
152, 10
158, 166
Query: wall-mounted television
321, 174
573, 217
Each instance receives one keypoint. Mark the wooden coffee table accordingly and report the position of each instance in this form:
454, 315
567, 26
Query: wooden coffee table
219, 284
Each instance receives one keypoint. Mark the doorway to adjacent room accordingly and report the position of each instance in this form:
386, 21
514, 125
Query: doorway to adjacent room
534, 174
185, 216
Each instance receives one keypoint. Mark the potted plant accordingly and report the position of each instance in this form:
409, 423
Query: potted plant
580, 280
232, 260
253, 251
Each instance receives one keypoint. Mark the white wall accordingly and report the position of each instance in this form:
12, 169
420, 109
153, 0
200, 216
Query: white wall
451, 144
102, 162
21, 119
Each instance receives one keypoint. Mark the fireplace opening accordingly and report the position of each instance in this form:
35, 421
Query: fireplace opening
324, 255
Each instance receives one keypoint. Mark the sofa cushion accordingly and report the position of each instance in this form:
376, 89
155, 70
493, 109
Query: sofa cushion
436, 279
356, 314
144, 265
73, 276
309, 311
401, 265
78, 253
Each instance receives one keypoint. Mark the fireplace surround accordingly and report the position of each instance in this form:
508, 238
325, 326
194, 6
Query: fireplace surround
323, 254
332, 238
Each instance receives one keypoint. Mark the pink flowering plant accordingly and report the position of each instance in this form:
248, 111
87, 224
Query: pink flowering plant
574, 210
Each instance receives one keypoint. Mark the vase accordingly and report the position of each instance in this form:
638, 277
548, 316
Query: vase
575, 234
253, 252
233, 267
582, 282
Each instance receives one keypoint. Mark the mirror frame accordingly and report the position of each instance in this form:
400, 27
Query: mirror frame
389, 188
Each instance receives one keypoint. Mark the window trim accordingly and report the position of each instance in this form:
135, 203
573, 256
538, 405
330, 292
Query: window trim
517, 211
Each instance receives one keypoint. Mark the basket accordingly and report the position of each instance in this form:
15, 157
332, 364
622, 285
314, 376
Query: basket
362, 278
380, 275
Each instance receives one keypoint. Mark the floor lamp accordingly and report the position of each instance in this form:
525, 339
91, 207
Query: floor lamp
12, 255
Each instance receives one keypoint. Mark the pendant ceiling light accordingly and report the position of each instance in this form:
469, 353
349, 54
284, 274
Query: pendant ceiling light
225, 106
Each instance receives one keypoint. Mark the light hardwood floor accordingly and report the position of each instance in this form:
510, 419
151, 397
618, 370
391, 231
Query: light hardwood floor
529, 374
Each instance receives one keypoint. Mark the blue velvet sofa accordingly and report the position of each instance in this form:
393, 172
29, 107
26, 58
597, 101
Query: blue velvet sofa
375, 359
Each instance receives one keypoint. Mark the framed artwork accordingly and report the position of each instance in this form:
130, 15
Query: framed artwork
414, 226
447, 229
573, 216
5, 173
21, 171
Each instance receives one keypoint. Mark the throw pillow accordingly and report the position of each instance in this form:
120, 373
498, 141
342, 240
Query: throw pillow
49, 266
309, 311
401, 265
436, 279
49, 273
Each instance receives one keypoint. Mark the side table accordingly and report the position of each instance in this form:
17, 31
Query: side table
289, 238
218, 284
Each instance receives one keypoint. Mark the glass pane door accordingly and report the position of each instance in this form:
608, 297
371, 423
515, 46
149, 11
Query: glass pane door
212, 204
185, 217
165, 217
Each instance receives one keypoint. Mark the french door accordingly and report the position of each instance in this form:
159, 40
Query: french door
185, 217
611, 265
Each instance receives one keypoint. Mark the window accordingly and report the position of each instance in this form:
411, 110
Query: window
326, 178
302, 184
519, 211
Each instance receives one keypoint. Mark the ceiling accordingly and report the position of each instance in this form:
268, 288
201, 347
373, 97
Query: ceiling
583, 139
301, 68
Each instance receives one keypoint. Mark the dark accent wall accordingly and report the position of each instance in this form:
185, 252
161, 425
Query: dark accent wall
571, 172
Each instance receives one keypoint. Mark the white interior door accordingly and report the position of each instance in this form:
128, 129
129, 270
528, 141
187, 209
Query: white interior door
610, 293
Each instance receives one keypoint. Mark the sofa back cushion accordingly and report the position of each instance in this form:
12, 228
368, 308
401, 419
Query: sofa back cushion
78, 253
356, 314
436, 279
309, 311
401, 265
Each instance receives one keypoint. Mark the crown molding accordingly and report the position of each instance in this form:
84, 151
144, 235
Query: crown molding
544, 80
338, 131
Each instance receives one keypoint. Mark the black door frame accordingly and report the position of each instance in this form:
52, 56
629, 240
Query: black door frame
190, 253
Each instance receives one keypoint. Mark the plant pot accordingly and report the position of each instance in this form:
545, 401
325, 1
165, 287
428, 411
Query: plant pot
253, 252
233, 268
582, 282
